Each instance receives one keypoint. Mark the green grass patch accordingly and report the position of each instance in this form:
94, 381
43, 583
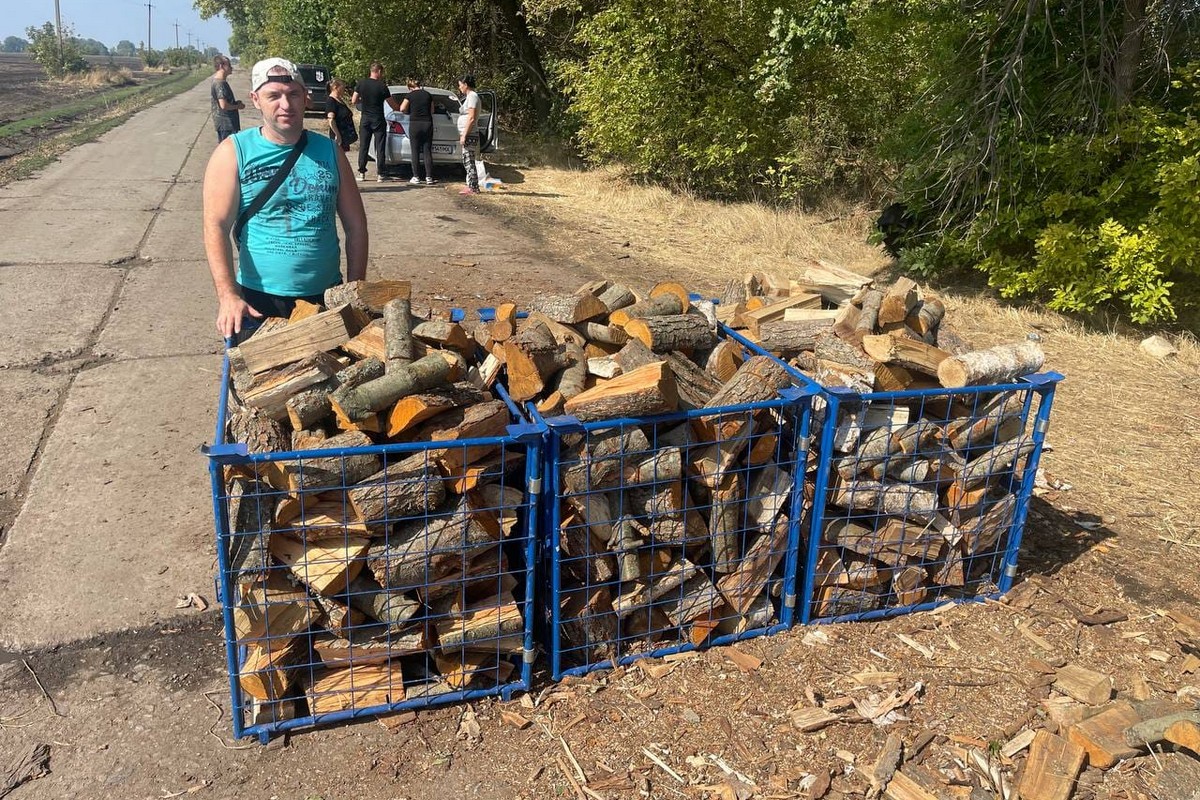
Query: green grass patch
101, 100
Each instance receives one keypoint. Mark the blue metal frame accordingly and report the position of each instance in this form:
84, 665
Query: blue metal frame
796, 400
522, 433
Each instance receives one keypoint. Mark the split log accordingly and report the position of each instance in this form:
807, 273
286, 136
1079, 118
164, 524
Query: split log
605, 334
856, 423
789, 338
486, 470
357, 686
600, 462
445, 335
898, 302
257, 430
735, 292
697, 598
318, 333
480, 421
368, 644
361, 402
569, 309
892, 499
505, 323
369, 296
774, 312
421, 550
604, 367
276, 599
402, 489
594, 288
251, 507
645, 391
838, 601
399, 348
532, 357
394, 609
726, 523
616, 297
894, 378
982, 536
416, 408
665, 304
994, 462
369, 343
663, 334
483, 627
901, 469
828, 315
908, 586
1051, 768
834, 283
742, 586
926, 317
264, 673
1001, 364
484, 376
325, 567
907, 353
572, 379
1082, 684
724, 360
1103, 736
981, 427
560, 332
269, 391
624, 544
951, 341
311, 407
332, 471
664, 464
759, 378
656, 584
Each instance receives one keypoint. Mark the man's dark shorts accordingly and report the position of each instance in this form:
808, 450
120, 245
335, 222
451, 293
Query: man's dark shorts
272, 305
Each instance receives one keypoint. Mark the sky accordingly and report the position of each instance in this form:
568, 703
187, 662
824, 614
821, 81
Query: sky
110, 21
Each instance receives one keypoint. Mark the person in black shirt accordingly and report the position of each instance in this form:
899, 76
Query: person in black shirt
419, 105
341, 119
225, 108
372, 92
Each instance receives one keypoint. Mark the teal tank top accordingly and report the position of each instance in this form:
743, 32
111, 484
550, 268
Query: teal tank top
290, 247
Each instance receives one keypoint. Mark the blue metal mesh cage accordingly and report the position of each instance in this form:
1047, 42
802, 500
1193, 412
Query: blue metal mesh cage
358, 580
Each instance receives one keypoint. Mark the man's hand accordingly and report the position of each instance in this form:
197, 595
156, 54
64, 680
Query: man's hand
231, 309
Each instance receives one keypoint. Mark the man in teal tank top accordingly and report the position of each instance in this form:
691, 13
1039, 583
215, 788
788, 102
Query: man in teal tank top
289, 249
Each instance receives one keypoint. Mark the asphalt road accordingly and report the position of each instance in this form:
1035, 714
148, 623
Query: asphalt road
109, 363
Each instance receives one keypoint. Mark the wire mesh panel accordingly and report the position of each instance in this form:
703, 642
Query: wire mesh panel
672, 532
921, 496
358, 580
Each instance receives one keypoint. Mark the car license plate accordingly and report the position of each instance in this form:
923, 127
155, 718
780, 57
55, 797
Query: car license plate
446, 149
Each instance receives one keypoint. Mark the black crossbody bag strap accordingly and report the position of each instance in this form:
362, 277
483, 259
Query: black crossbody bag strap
272, 186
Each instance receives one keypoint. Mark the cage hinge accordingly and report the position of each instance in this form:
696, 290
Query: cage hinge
789, 600
535, 486
1010, 571
529, 655
803, 444
226, 453
1041, 426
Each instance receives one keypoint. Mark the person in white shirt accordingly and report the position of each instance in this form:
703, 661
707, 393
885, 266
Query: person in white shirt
468, 135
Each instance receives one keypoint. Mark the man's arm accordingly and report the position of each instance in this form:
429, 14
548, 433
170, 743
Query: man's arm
354, 98
354, 221
221, 200
228, 103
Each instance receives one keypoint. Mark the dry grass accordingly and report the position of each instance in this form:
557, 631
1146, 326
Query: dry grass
99, 78
1125, 427
697, 240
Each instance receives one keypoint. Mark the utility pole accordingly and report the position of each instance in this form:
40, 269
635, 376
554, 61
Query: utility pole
176, 34
189, 50
149, 47
62, 64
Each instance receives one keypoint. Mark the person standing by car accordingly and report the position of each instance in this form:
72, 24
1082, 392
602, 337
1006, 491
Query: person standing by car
276, 189
372, 92
468, 134
225, 107
419, 107
341, 118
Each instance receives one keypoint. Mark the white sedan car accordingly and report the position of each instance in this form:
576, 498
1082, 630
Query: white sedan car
446, 151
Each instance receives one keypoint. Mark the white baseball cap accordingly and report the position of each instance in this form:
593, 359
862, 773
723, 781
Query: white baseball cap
258, 75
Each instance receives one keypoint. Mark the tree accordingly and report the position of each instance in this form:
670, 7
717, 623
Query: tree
90, 47
125, 48
56, 60
14, 44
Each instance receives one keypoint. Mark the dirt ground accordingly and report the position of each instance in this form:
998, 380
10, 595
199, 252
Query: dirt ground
145, 713
26, 91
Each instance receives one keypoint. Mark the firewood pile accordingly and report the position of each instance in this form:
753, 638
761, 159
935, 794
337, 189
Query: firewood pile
668, 529
922, 491
370, 577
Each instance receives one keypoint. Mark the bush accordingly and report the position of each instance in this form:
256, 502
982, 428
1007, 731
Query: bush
1095, 222
44, 46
